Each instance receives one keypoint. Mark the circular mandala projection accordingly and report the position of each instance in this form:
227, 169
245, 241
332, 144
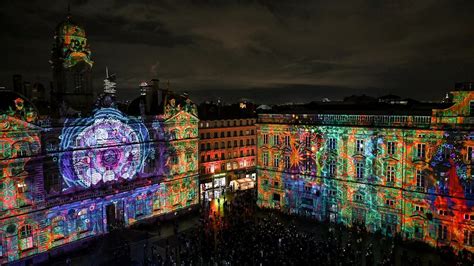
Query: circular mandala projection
103, 148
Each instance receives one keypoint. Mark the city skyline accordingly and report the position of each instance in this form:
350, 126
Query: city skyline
298, 52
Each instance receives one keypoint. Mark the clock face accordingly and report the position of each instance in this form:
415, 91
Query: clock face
108, 149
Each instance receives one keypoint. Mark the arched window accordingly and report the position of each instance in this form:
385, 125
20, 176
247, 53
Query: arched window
25, 235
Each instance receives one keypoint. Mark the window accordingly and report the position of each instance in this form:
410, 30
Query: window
228, 144
222, 145
359, 146
390, 174
235, 143
235, 133
139, 206
307, 140
22, 187
247, 143
391, 148
276, 197
26, 237
389, 202
420, 179
360, 170
58, 228
208, 146
52, 181
156, 201
216, 156
276, 140
419, 209
471, 108
215, 134
332, 144
241, 133
241, 153
468, 237
307, 165
332, 168
265, 138
202, 158
208, 135
420, 150
216, 145
222, 134
228, 133
203, 147
443, 212
276, 161
241, 143
418, 231
358, 197
469, 154
222, 156
208, 157
82, 222
442, 232
265, 159
286, 160
287, 140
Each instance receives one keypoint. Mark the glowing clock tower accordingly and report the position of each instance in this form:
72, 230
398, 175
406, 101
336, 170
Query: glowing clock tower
72, 64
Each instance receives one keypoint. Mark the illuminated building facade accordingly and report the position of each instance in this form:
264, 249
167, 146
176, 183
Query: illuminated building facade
398, 169
64, 180
227, 150
72, 67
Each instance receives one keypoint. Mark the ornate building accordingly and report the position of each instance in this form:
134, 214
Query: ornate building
66, 180
227, 150
402, 168
72, 67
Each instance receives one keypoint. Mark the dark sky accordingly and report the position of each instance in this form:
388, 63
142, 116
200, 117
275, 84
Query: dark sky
267, 50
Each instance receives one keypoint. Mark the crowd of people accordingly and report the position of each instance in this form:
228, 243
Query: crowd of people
235, 232
237, 235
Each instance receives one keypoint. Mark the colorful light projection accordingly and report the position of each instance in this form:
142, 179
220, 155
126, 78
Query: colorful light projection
74, 45
415, 182
105, 147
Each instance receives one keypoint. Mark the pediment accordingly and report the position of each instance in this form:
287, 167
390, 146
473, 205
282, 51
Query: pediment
11, 124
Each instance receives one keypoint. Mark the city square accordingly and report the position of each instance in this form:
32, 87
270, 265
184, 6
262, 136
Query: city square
237, 133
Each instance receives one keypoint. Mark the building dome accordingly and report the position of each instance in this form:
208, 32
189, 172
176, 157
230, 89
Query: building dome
69, 27
71, 46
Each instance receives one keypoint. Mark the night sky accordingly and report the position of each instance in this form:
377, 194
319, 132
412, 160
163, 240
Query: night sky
269, 51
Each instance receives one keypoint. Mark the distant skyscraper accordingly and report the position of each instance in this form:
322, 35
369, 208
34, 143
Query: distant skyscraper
72, 65
109, 83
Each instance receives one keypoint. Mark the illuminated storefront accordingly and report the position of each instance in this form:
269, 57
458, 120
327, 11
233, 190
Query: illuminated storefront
407, 174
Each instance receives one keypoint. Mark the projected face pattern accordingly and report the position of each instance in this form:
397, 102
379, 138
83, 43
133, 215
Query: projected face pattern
111, 147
